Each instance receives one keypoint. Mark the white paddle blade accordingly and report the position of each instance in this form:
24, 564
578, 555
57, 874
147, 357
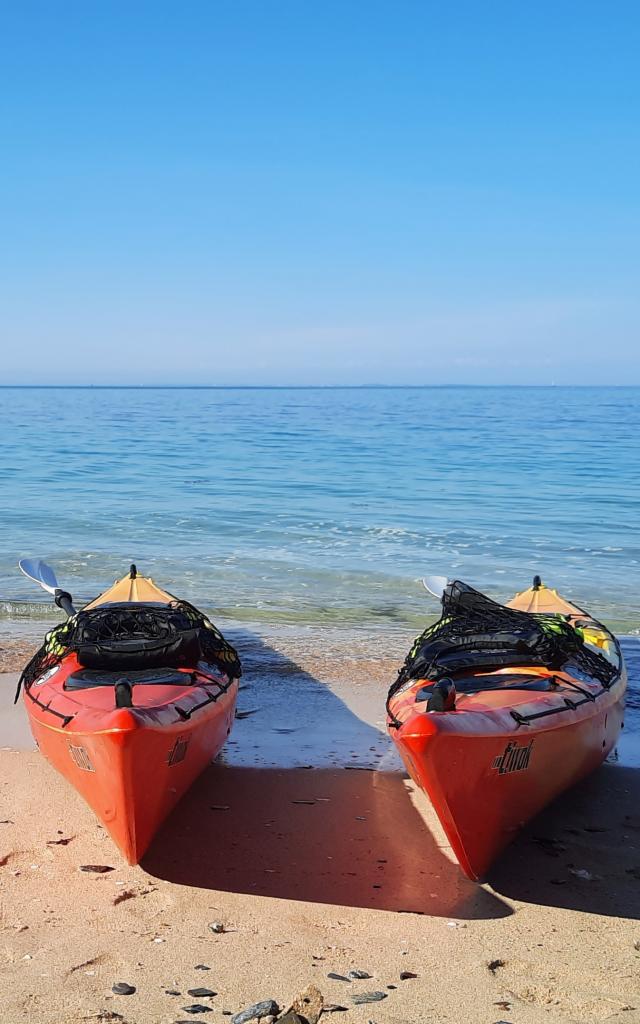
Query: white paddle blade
435, 585
41, 573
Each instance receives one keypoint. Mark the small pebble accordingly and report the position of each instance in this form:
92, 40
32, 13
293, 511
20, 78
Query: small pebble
405, 975
172, 992
216, 927
98, 869
334, 1008
493, 965
336, 977
369, 997
200, 993
359, 975
201, 967
121, 988
197, 1008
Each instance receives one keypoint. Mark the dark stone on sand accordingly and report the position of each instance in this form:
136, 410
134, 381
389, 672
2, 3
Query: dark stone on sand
405, 975
197, 1008
336, 977
392, 987
172, 992
335, 1008
200, 993
369, 997
98, 869
267, 1008
216, 927
121, 988
359, 975
201, 967
493, 965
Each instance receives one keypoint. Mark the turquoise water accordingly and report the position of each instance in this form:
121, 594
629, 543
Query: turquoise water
309, 506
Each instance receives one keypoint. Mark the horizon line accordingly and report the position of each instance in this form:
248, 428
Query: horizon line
299, 387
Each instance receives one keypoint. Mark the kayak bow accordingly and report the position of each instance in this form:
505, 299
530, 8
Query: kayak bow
130, 700
494, 723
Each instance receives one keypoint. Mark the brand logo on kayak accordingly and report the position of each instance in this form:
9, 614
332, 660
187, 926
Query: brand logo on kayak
513, 758
81, 758
178, 752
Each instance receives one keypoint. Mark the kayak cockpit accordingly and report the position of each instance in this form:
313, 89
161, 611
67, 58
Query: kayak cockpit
495, 681
87, 678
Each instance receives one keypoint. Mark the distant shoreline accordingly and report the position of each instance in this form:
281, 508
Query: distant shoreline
319, 387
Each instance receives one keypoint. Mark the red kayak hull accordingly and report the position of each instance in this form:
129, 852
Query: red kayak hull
132, 765
486, 776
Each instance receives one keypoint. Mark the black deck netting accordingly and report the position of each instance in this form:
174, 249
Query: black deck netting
128, 635
475, 632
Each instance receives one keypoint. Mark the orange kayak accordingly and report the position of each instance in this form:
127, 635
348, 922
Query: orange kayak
132, 740
499, 709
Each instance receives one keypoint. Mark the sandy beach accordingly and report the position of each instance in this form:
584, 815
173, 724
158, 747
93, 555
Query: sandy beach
307, 843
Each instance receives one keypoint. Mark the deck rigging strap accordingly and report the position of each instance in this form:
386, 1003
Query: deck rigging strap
475, 630
134, 635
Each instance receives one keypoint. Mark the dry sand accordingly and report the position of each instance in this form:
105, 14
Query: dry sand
310, 846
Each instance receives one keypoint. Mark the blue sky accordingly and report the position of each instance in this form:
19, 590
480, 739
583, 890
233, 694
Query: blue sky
346, 192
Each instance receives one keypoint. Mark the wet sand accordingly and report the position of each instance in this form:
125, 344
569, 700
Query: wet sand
307, 842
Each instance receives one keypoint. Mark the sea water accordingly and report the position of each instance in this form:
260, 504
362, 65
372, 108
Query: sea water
324, 506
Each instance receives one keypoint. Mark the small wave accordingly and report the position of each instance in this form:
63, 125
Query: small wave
28, 610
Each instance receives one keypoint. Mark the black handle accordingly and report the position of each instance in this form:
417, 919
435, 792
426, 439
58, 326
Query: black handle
64, 601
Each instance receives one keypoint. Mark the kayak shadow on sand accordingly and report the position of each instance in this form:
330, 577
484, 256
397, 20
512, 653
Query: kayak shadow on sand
583, 852
309, 802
